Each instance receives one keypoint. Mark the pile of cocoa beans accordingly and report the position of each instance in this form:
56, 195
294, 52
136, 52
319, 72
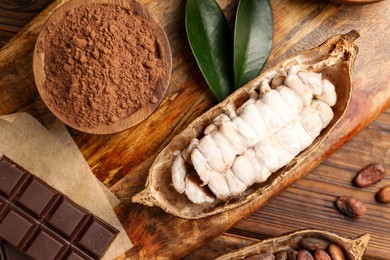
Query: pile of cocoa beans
310, 248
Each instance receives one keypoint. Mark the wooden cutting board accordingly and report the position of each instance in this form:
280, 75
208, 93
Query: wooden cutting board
122, 160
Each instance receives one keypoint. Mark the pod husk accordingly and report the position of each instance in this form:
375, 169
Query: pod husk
353, 248
334, 59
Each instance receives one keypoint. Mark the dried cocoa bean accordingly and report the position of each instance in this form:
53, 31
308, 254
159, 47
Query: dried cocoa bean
321, 255
314, 243
267, 256
350, 206
335, 252
304, 255
292, 255
281, 255
370, 175
383, 196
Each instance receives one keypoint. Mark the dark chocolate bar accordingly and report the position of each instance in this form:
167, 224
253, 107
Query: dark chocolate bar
40, 222
9, 252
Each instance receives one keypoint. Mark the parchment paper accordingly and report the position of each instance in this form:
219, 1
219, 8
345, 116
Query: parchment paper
51, 156
62, 135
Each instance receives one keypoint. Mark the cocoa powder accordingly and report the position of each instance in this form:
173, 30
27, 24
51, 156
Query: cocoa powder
102, 63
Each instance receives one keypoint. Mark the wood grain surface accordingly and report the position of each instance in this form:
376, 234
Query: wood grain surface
15, 14
121, 160
357, 2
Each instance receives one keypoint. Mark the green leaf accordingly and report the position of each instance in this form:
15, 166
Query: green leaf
252, 39
211, 43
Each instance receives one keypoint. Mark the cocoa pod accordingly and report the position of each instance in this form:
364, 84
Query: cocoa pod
350, 206
335, 252
352, 248
383, 196
370, 175
304, 255
314, 243
333, 59
321, 255
281, 255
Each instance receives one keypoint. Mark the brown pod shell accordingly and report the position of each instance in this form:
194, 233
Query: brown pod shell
261, 257
333, 59
353, 248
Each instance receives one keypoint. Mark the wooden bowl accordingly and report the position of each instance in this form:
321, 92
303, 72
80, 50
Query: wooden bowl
134, 118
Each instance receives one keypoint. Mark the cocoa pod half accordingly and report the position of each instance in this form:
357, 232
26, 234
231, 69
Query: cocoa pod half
351, 207
352, 248
370, 175
333, 59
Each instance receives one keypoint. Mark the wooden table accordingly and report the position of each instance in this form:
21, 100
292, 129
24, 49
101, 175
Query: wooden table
309, 203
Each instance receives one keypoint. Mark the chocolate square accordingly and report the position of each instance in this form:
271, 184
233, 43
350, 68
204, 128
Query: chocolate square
11, 177
47, 245
37, 197
3, 205
68, 218
10, 252
97, 238
17, 227
2, 250
76, 254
